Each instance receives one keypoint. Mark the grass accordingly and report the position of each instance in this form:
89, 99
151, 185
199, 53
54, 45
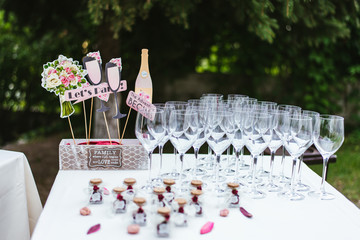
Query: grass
344, 175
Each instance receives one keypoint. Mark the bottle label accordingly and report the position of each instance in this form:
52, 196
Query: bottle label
144, 74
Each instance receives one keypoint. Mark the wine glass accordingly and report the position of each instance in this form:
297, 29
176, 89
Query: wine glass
176, 105
296, 140
299, 186
264, 106
280, 123
150, 133
293, 110
328, 138
201, 139
221, 132
167, 110
183, 131
257, 130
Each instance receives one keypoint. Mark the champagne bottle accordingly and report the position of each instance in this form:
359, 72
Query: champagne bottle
143, 81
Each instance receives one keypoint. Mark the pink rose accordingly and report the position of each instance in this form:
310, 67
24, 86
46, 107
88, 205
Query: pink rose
67, 70
64, 81
78, 78
71, 77
52, 71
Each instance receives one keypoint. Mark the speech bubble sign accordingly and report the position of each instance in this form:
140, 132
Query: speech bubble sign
141, 105
82, 94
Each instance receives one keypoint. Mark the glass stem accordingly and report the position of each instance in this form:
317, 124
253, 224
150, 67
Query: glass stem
293, 170
242, 158
150, 165
209, 153
271, 167
217, 164
175, 153
182, 167
237, 154
282, 163
228, 156
196, 152
253, 184
261, 168
301, 159
325, 166
161, 148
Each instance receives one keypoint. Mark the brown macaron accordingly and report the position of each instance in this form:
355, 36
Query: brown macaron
196, 183
139, 200
159, 190
129, 181
95, 181
119, 189
233, 185
169, 181
196, 192
163, 210
180, 201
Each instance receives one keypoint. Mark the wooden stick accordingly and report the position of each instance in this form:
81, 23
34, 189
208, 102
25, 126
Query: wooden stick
72, 133
127, 119
107, 128
91, 110
117, 120
85, 122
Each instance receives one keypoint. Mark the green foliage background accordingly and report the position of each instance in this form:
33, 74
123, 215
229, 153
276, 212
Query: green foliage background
290, 51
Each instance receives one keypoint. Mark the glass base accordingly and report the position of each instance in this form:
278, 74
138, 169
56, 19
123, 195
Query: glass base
244, 167
321, 195
199, 171
270, 187
173, 175
262, 173
248, 179
300, 187
256, 194
212, 178
229, 172
282, 179
208, 166
148, 188
293, 196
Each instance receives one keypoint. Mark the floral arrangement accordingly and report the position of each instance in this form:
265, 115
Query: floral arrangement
117, 62
60, 75
95, 55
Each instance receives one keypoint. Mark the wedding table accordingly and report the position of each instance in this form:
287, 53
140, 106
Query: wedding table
20, 204
273, 217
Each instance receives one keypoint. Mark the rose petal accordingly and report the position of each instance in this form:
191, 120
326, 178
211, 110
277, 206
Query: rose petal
224, 212
245, 213
106, 191
207, 227
94, 229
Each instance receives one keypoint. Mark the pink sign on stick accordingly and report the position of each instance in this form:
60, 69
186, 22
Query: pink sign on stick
141, 105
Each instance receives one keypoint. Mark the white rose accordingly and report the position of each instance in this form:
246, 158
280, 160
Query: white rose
53, 81
66, 64
73, 67
49, 69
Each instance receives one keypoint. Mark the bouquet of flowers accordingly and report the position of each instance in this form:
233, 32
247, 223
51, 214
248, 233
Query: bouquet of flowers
60, 75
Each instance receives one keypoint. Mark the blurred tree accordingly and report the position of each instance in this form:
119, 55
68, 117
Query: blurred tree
297, 52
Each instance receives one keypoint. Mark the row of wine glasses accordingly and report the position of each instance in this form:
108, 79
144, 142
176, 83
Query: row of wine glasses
240, 121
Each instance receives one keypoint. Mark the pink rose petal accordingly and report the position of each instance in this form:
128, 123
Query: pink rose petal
245, 213
94, 229
207, 227
106, 191
224, 212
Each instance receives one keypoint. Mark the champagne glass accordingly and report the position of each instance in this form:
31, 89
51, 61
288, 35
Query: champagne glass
257, 129
265, 106
299, 186
297, 140
176, 105
280, 123
221, 132
150, 133
167, 110
328, 138
183, 131
293, 110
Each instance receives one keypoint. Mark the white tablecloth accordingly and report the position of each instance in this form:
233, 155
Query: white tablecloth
20, 205
274, 218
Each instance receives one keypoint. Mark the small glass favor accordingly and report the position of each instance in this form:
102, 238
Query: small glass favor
159, 199
169, 194
96, 193
197, 184
119, 204
196, 203
234, 199
180, 216
139, 215
129, 184
93, 182
163, 225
